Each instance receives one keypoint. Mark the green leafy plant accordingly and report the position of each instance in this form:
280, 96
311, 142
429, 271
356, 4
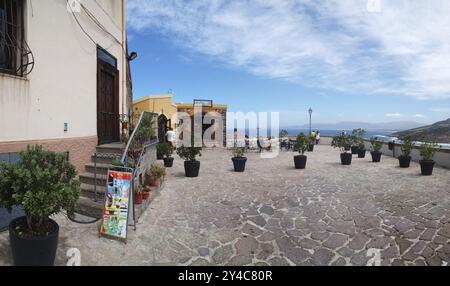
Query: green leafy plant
357, 137
157, 171
42, 183
238, 152
342, 141
301, 143
284, 133
165, 149
376, 143
427, 149
189, 153
407, 146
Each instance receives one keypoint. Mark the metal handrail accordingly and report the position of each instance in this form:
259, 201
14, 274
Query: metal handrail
132, 137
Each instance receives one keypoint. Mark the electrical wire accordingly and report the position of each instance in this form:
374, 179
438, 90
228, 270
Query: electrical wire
81, 222
79, 24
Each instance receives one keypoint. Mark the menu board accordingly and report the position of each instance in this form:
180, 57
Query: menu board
117, 203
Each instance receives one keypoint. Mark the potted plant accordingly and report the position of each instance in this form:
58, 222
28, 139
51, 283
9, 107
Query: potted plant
238, 159
406, 148
189, 155
159, 153
301, 146
155, 173
166, 149
354, 138
311, 142
43, 184
427, 151
376, 149
343, 142
146, 193
138, 195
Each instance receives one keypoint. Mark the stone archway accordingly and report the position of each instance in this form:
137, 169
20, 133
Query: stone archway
163, 126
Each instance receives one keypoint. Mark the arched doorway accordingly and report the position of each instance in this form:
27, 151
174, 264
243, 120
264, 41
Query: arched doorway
163, 127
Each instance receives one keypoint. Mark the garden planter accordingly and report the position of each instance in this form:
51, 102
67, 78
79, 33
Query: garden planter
376, 156
138, 199
300, 162
168, 162
310, 147
354, 150
427, 167
405, 162
192, 168
346, 159
146, 194
33, 251
239, 164
361, 153
153, 182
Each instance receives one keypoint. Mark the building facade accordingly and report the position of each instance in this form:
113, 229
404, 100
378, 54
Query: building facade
64, 75
163, 106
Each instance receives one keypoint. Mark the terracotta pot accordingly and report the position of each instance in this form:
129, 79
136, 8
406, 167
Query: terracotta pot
138, 198
125, 125
155, 182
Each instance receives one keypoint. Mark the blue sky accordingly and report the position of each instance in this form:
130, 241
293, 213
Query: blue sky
344, 60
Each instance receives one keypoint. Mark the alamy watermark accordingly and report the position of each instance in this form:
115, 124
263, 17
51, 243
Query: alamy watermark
374, 6
73, 6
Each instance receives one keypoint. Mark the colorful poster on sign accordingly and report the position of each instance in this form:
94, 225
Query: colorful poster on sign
115, 215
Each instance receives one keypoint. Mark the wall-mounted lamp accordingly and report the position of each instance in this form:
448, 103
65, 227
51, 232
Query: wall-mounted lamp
132, 56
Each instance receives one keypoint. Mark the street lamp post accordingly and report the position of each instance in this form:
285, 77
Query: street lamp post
310, 117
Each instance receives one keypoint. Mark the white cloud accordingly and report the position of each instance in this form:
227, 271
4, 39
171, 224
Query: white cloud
419, 116
441, 110
335, 44
393, 115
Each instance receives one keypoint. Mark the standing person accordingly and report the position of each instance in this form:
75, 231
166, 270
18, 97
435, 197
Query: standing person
171, 137
318, 138
247, 142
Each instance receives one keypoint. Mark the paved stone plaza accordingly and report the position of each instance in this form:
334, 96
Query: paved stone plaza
273, 214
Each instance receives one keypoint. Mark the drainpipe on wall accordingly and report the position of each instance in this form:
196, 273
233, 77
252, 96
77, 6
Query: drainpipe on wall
124, 59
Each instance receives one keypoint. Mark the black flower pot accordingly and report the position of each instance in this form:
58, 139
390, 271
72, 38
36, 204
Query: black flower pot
405, 161
191, 168
376, 156
346, 159
33, 251
239, 164
427, 167
310, 147
354, 150
300, 162
168, 162
361, 153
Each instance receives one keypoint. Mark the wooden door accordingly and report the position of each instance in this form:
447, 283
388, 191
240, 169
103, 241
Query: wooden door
108, 122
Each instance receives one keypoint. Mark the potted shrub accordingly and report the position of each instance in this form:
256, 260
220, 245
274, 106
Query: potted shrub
406, 147
238, 159
427, 151
155, 173
166, 149
189, 155
343, 142
376, 147
301, 146
354, 138
146, 193
311, 142
159, 153
43, 184
138, 195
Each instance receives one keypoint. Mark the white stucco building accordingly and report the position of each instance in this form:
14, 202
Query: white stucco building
64, 75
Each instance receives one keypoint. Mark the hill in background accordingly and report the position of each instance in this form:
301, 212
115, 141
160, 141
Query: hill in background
439, 131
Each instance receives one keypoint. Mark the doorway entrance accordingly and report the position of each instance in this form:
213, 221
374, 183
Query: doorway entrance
108, 122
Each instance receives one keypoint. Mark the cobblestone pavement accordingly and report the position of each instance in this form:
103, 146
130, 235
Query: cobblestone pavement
273, 214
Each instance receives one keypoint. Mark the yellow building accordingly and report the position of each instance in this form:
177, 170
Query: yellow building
165, 108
